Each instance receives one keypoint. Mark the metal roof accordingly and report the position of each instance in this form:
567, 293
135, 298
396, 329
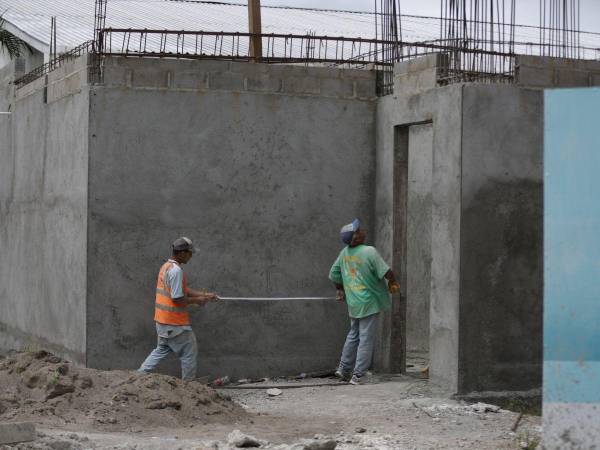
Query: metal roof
30, 19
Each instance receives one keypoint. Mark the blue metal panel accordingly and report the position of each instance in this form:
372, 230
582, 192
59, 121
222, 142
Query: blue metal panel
572, 246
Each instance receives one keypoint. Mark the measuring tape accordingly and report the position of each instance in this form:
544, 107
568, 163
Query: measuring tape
261, 299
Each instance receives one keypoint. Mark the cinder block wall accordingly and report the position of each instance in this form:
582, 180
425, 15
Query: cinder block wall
260, 165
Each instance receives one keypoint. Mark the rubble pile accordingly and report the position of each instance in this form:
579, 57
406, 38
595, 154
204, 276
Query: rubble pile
43, 387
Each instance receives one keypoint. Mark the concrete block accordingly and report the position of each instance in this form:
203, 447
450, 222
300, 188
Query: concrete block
248, 69
150, 78
190, 80
69, 85
227, 81
324, 72
415, 82
533, 76
365, 88
595, 79
264, 83
332, 87
363, 74
301, 85
30, 88
569, 78
423, 63
13, 433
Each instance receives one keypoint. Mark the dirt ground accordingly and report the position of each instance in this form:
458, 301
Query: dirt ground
125, 410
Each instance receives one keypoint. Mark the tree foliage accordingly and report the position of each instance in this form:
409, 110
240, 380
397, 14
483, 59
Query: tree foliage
11, 43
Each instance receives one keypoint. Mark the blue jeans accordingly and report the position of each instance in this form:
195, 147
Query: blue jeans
357, 354
183, 345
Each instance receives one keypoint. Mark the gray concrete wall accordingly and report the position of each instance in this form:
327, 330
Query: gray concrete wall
486, 207
43, 204
442, 107
260, 165
546, 72
501, 239
418, 234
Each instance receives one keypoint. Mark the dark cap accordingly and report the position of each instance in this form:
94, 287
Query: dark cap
347, 231
183, 243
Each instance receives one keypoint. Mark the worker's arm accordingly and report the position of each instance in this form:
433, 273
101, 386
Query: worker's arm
201, 299
340, 295
335, 275
393, 285
186, 296
195, 292
382, 270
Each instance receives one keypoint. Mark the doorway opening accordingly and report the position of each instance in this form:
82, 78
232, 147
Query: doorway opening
413, 160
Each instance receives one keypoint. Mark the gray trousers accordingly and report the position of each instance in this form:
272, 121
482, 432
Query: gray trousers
183, 345
357, 354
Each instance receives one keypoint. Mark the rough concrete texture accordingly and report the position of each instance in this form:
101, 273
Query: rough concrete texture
261, 181
13, 433
43, 198
485, 230
501, 239
418, 236
546, 72
441, 107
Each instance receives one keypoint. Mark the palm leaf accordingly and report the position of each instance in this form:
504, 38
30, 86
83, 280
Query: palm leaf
13, 45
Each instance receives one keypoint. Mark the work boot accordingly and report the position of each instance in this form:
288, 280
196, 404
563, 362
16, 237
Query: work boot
343, 376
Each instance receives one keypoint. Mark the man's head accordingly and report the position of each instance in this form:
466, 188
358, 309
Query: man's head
352, 234
183, 249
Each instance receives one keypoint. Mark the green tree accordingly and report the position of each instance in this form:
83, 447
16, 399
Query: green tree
11, 43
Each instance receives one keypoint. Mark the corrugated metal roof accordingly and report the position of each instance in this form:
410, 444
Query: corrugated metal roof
30, 19
75, 19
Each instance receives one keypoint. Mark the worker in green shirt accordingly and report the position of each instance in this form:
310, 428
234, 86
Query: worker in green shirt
359, 274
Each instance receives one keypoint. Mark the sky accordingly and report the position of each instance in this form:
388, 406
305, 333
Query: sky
527, 10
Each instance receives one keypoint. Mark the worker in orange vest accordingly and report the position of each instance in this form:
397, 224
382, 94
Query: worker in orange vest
171, 312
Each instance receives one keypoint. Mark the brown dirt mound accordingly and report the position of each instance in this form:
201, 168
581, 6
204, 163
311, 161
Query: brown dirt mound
42, 387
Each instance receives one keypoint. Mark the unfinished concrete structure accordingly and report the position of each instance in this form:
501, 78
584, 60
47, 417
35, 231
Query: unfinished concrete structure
260, 164
249, 160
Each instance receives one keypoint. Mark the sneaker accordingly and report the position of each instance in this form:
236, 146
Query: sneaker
342, 376
356, 380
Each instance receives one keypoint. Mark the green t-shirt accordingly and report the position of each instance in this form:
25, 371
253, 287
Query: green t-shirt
361, 269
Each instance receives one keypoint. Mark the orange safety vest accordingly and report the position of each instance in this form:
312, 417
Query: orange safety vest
166, 311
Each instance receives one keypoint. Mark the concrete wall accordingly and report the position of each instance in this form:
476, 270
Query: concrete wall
475, 196
43, 198
571, 290
501, 239
546, 72
443, 108
418, 236
260, 165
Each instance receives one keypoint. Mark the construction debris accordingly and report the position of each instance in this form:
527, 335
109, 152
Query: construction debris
238, 439
13, 433
42, 387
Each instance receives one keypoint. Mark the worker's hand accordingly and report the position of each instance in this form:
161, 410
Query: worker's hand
211, 296
394, 287
340, 295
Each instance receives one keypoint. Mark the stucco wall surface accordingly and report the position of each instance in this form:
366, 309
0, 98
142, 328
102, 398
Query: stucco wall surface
260, 166
501, 238
43, 216
442, 108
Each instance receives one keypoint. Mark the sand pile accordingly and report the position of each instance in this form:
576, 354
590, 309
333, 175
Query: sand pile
42, 387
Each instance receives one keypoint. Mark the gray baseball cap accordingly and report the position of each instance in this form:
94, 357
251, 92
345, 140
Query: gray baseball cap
184, 243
